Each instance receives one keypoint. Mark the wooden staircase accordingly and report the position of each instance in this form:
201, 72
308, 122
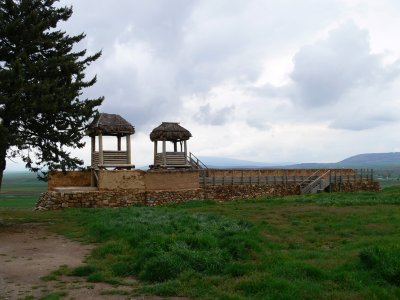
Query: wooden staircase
196, 163
316, 183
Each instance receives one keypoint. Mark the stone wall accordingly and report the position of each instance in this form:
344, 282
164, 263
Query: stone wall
119, 198
369, 186
70, 178
56, 200
233, 192
128, 187
167, 197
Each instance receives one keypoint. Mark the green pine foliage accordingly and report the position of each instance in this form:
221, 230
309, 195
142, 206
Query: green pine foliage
42, 77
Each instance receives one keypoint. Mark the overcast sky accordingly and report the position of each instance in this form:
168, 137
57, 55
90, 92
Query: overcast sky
271, 81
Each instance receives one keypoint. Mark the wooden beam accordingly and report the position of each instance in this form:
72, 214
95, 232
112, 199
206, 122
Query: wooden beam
164, 149
101, 149
119, 143
93, 150
185, 149
155, 152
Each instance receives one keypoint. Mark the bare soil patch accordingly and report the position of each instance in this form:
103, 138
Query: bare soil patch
29, 252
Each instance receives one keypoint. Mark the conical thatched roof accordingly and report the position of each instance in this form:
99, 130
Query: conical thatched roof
110, 124
169, 131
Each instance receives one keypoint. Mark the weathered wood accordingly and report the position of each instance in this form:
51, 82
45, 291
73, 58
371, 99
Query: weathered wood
128, 149
120, 157
164, 148
119, 143
185, 148
155, 153
117, 166
170, 158
100, 148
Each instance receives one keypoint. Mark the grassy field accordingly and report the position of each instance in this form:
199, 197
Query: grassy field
322, 246
21, 189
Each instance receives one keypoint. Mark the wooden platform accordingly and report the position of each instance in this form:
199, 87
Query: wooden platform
72, 189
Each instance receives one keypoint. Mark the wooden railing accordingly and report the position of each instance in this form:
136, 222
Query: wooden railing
171, 159
195, 162
318, 181
110, 157
330, 176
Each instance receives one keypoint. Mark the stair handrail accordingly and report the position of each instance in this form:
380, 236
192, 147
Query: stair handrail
198, 162
313, 183
309, 177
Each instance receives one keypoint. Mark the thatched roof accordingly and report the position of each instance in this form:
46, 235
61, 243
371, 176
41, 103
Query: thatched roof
169, 131
110, 124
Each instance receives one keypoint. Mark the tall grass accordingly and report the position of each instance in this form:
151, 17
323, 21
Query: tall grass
302, 247
383, 261
159, 244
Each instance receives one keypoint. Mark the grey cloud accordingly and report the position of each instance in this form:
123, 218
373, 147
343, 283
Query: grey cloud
192, 47
357, 122
259, 123
324, 72
216, 117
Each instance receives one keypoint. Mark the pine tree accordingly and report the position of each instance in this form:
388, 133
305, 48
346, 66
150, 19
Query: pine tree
41, 82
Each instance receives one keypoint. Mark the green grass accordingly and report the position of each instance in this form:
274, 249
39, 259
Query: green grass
21, 189
299, 247
334, 246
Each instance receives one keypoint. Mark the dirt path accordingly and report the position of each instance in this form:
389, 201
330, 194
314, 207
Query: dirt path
28, 252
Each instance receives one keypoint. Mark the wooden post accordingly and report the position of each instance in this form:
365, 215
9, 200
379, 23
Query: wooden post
119, 143
101, 161
164, 153
128, 148
93, 178
164, 150
155, 151
185, 150
175, 147
93, 150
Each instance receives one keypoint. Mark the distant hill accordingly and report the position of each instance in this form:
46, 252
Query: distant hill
373, 159
367, 160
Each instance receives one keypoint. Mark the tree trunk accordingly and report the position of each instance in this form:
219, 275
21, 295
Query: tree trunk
2, 166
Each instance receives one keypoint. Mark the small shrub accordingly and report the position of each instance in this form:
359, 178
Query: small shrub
112, 248
122, 268
54, 296
164, 267
83, 270
96, 277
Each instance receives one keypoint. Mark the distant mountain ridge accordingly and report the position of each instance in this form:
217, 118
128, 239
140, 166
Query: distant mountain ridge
390, 158
366, 160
